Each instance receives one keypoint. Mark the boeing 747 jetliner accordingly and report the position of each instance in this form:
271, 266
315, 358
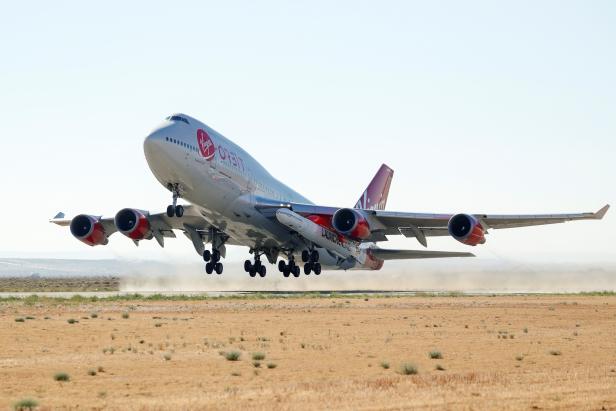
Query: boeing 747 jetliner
235, 201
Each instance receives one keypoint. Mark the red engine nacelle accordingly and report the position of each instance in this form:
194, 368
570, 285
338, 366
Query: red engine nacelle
133, 223
466, 229
89, 230
351, 223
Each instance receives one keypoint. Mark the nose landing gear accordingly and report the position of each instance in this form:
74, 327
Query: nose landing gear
175, 209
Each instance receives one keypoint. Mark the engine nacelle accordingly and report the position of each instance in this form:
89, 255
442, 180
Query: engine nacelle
351, 223
466, 229
133, 223
89, 230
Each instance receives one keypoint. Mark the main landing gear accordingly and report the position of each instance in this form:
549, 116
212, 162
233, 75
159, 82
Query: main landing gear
255, 268
311, 262
175, 209
288, 268
212, 258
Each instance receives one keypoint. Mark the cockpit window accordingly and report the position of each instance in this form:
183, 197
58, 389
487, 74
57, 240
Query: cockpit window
177, 118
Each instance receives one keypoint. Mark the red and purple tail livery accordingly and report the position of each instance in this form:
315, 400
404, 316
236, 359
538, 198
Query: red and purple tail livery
375, 196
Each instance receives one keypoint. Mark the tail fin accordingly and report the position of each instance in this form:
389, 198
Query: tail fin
375, 196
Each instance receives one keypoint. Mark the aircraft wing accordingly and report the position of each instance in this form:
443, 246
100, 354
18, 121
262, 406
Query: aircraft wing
192, 224
385, 254
422, 225
425, 225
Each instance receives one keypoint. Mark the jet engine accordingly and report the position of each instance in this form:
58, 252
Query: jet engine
89, 230
351, 223
133, 223
466, 229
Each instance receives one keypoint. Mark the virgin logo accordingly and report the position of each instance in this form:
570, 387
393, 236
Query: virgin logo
206, 146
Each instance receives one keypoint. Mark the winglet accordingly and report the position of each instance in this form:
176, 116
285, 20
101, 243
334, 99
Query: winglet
601, 213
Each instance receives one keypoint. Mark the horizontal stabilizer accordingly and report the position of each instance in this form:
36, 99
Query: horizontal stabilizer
601, 213
385, 254
60, 219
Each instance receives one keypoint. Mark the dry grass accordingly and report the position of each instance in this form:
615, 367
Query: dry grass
338, 365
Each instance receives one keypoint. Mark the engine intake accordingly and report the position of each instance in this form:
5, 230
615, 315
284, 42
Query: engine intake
89, 230
351, 223
466, 229
133, 223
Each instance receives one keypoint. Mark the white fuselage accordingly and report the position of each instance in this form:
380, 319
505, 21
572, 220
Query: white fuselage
224, 182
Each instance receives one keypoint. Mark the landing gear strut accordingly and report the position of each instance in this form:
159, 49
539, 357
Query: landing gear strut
175, 209
255, 268
213, 261
212, 258
311, 260
289, 268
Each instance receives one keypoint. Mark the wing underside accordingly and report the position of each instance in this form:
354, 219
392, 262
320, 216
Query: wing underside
423, 225
194, 226
384, 254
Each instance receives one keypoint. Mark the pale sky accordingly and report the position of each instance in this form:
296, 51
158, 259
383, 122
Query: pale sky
495, 107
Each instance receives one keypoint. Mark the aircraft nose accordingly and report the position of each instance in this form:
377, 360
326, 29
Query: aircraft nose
154, 148
154, 141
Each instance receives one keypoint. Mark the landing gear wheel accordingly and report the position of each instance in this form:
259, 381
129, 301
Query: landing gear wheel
247, 266
179, 211
262, 271
252, 272
314, 256
307, 268
317, 268
286, 272
281, 266
209, 267
305, 256
170, 211
296, 271
218, 268
215, 256
207, 255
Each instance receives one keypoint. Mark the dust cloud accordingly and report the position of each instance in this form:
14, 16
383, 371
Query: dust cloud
478, 276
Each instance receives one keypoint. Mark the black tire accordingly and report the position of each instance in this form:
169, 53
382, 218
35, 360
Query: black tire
207, 255
170, 211
179, 211
252, 272
307, 268
218, 267
209, 267
247, 265
314, 256
317, 268
215, 256
296, 271
281, 266
262, 271
305, 256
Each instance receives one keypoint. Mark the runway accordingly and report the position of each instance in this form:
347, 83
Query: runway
267, 293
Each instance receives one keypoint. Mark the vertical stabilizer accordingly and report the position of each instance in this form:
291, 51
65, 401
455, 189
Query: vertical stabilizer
375, 196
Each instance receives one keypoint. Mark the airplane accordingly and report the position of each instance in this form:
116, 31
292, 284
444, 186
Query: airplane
235, 201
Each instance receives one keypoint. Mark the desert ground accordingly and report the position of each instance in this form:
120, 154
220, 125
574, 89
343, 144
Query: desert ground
339, 352
59, 284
